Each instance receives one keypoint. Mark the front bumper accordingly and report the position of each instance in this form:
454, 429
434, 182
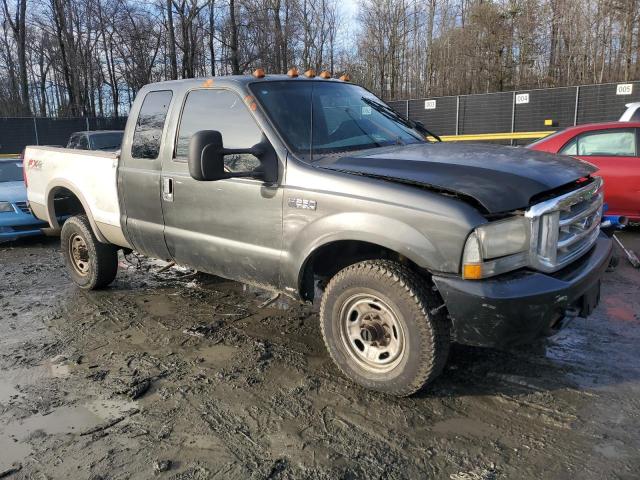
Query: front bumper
19, 224
518, 307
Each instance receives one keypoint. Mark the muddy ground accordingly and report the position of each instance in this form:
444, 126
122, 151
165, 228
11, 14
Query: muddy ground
184, 376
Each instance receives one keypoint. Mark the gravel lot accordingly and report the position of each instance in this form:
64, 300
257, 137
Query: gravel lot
180, 375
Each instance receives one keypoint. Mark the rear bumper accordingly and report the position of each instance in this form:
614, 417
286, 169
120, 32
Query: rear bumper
518, 307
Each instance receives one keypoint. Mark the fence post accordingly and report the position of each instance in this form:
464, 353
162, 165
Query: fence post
513, 115
457, 114
35, 129
408, 110
575, 112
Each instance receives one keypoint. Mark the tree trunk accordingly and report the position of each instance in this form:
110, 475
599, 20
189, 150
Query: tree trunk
173, 59
233, 46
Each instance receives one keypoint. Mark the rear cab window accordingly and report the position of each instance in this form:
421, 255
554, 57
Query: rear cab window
73, 141
83, 143
150, 125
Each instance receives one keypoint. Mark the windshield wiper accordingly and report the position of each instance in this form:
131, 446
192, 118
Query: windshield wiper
393, 115
422, 129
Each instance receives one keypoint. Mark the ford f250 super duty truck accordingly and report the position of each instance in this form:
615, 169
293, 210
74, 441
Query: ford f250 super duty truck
307, 186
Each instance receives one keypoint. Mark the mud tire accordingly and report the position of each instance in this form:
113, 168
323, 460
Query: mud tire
102, 259
421, 315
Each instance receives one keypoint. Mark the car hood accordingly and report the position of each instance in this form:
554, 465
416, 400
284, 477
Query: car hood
13, 192
499, 178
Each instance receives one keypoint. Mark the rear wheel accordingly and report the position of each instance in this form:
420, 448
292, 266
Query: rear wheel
383, 328
90, 263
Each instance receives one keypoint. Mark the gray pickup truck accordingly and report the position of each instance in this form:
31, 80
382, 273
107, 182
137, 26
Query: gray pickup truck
314, 187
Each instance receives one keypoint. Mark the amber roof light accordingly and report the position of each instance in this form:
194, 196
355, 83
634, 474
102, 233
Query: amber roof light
258, 73
310, 73
345, 78
293, 72
325, 75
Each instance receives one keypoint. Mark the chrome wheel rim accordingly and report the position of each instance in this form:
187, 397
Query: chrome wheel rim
79, 254
372, 333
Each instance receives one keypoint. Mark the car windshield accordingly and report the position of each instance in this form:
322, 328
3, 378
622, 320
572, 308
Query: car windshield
318, 118
106, 141
10, 171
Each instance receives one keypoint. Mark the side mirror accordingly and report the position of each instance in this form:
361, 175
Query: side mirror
206, 158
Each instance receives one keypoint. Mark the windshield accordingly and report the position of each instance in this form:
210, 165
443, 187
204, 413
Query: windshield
10, 171
106, 141
328, 117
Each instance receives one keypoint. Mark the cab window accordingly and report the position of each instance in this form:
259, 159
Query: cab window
603, 143
83, 144
224, 111
73, 141
150, 125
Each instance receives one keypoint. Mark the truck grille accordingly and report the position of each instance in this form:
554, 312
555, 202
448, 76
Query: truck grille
565, 227
24, 207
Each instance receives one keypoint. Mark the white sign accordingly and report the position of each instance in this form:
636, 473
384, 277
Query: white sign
624, 89
366, 110
522, 98
429, 104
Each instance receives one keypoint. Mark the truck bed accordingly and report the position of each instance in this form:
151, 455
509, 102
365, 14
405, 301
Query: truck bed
56, 174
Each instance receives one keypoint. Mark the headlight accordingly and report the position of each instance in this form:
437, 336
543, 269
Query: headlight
496, 247
6, 207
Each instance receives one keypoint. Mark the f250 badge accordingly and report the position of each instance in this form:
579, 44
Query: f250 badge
302, 203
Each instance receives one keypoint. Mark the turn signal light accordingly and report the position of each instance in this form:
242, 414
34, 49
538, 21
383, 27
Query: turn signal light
472, 271
325, 75
258, 73
293, 72
310, 73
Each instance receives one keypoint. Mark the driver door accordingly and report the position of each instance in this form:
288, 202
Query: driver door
231, 227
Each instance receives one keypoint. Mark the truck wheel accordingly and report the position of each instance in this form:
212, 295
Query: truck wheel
382, 327
91, 264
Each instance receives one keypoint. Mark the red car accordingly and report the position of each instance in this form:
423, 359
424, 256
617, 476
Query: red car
612, 147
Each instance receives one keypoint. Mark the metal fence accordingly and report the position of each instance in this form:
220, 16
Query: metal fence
16, 133
503, 112
521, 111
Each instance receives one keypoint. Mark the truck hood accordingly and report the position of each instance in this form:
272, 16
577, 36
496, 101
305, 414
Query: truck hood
13, 192
499, 178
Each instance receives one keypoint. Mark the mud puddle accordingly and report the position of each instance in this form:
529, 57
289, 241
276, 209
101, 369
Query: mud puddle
69, 419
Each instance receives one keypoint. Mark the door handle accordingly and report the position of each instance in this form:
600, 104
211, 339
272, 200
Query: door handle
167, 189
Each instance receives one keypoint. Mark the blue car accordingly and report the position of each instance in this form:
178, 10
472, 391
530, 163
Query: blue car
16, 219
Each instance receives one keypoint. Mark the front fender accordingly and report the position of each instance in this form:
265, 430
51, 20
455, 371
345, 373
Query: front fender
360, 226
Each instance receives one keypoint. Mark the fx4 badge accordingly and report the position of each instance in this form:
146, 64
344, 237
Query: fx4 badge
302, 203
34, 164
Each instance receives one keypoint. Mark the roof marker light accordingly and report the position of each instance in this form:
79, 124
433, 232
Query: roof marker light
310, 73
345, 78
325, 75
293, 72
258, 73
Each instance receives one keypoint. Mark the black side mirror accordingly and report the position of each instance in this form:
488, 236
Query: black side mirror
206, 158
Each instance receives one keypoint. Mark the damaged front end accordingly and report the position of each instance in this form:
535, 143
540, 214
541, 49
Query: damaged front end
503, 300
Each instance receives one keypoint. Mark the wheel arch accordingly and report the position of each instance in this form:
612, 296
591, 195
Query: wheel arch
376, 237
76, 206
